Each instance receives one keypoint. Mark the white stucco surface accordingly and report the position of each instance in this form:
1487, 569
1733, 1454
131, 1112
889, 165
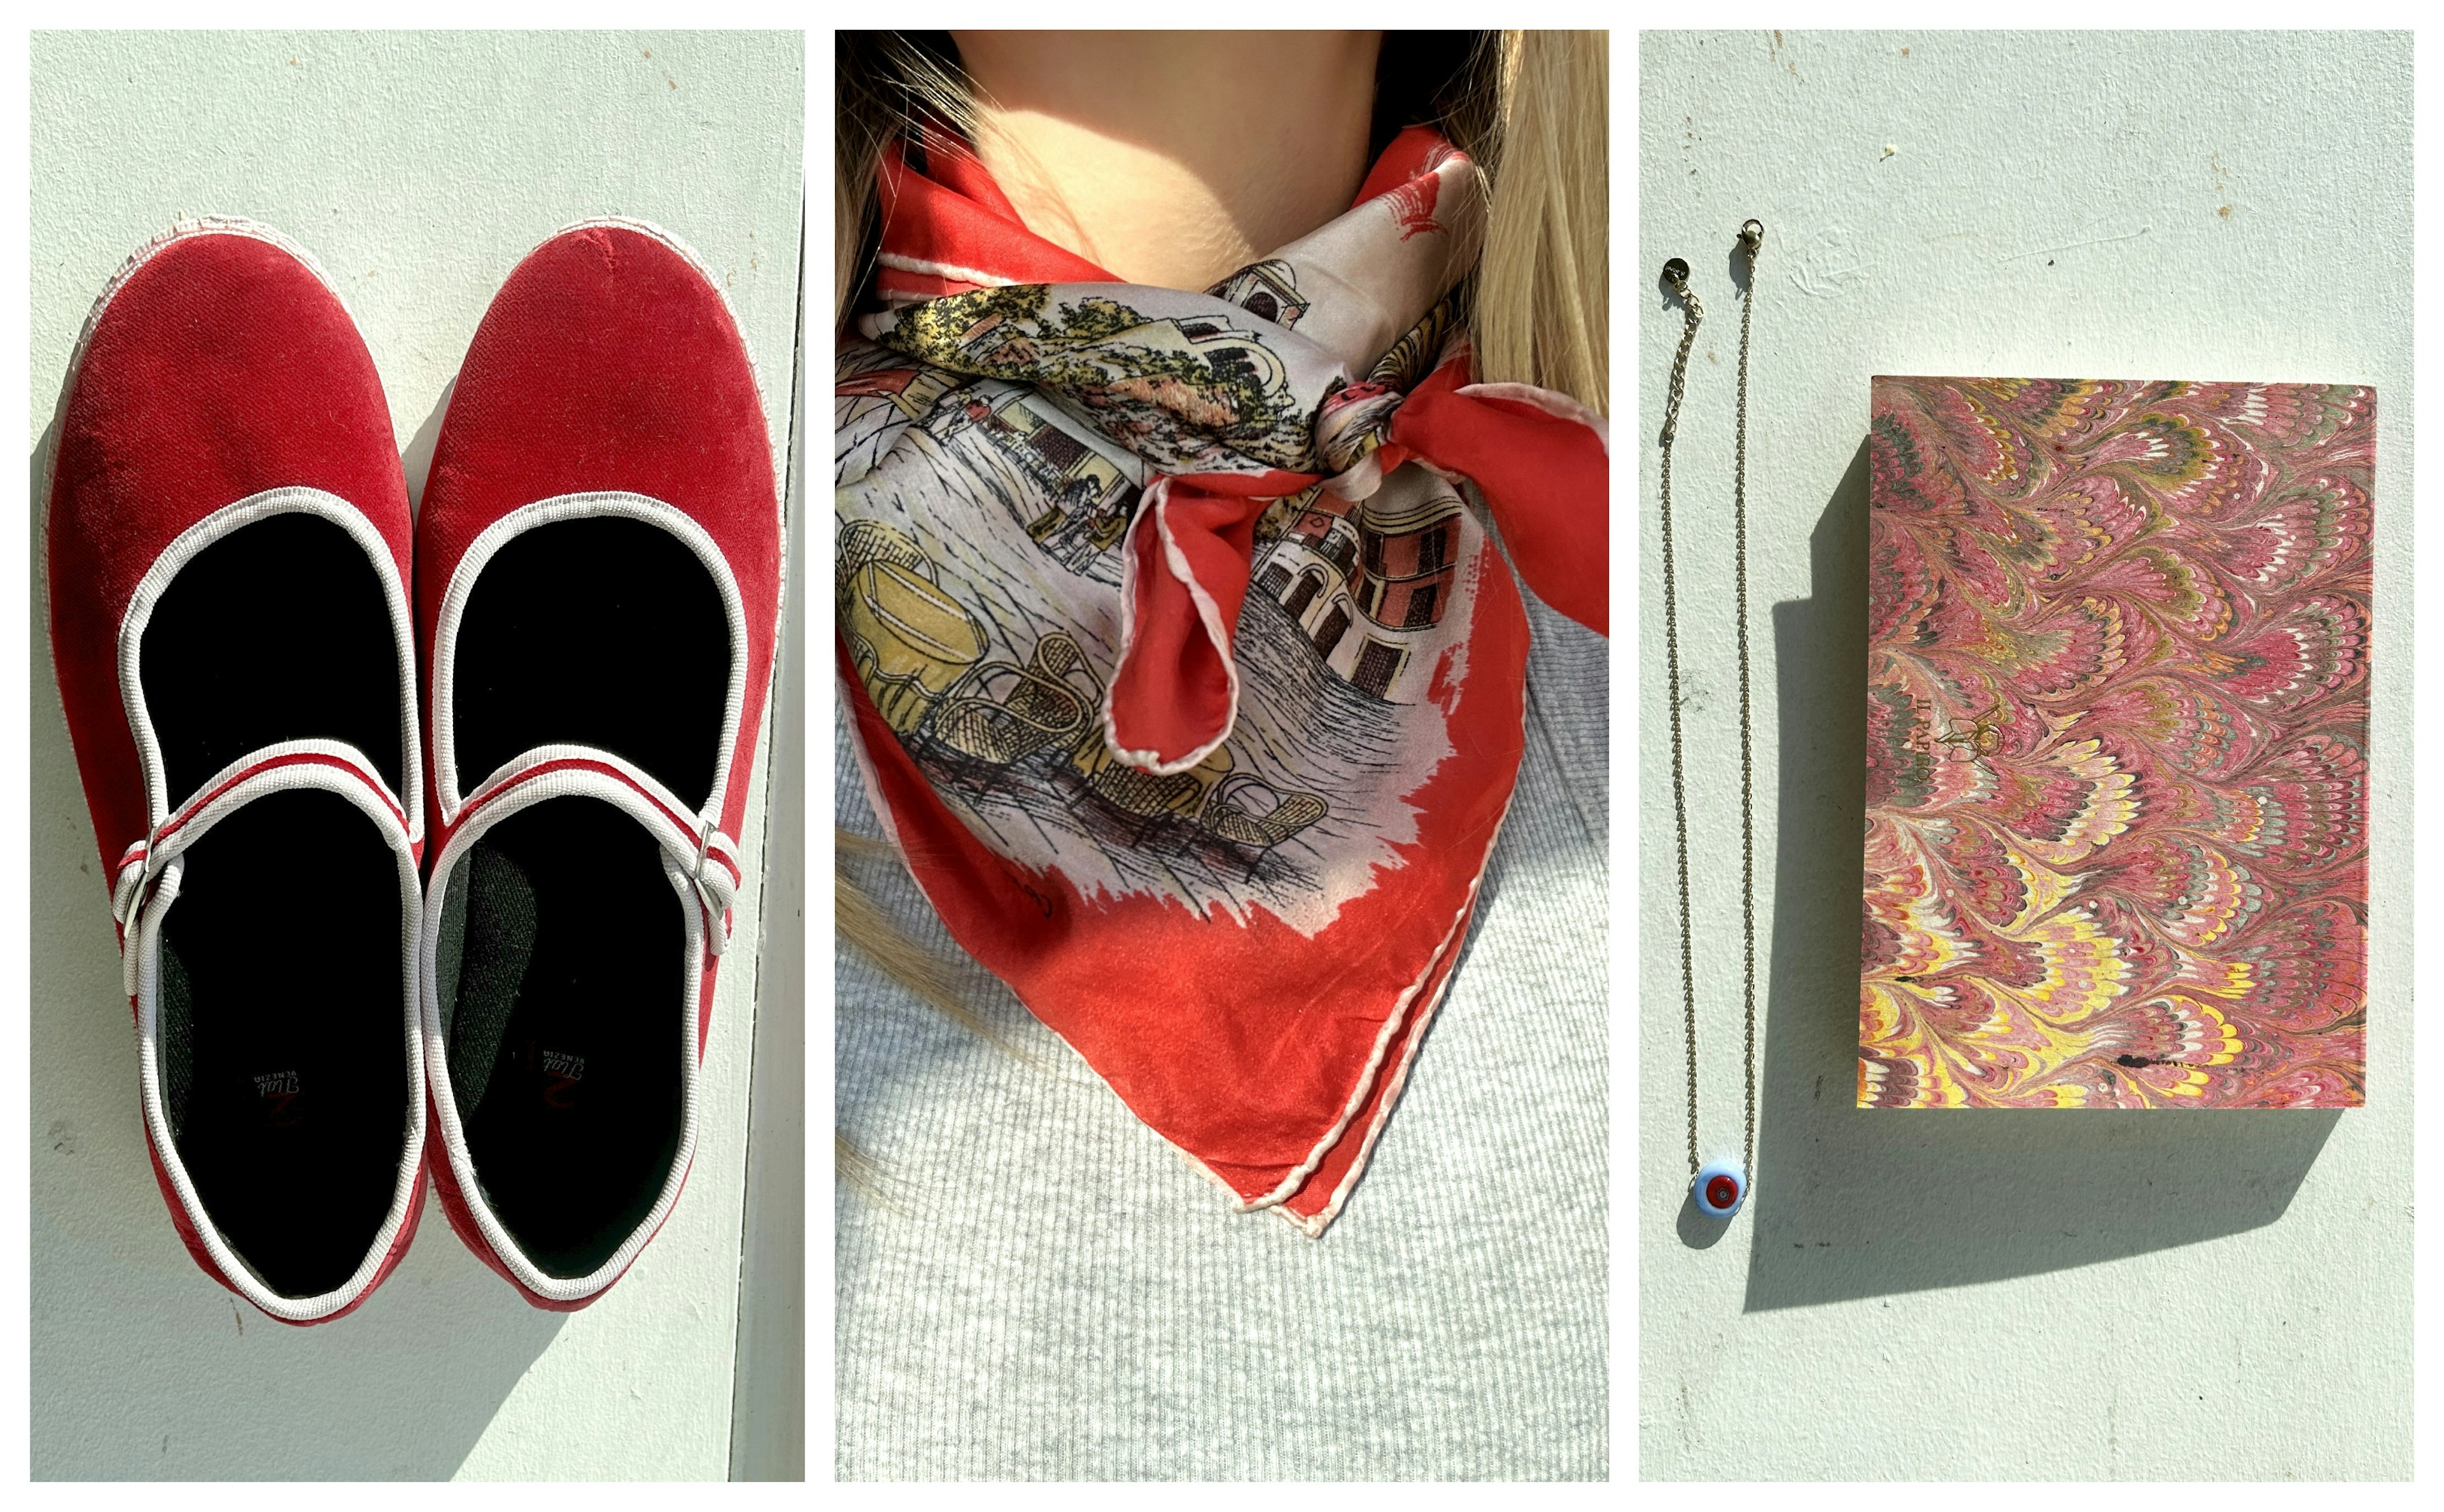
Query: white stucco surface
1993, 1294
419, 169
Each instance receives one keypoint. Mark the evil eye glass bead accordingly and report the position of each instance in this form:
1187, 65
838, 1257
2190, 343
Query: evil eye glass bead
1720, 1188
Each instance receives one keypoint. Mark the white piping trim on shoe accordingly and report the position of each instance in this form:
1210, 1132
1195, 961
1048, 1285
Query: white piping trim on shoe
712, 855
213, 528
551, 511
776, 442
143, 940
492, 806
141, 864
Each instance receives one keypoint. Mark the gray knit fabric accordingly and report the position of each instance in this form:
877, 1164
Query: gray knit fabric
1037, 1287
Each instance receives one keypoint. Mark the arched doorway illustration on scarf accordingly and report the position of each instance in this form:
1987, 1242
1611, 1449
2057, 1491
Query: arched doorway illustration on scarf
1308, 586
1328, 634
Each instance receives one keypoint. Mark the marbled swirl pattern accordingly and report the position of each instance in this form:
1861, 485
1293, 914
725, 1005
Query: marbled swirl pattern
2116, 745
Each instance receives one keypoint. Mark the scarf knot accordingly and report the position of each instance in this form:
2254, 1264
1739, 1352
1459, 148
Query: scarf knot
1229, 414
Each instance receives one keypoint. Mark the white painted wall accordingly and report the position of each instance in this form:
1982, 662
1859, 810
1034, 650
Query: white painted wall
419, 168
1994, 1295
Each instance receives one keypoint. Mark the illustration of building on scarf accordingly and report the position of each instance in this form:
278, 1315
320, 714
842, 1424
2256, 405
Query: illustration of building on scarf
1087, 499
1365, 584
1267, 290
1083, 501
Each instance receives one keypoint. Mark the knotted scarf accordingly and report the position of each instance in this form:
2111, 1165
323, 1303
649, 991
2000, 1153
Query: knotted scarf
1185, 674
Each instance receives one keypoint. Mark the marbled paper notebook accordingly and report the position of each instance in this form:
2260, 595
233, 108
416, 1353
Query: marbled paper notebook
2116, 745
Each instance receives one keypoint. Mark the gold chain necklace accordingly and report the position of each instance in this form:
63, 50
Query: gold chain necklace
1718, 1187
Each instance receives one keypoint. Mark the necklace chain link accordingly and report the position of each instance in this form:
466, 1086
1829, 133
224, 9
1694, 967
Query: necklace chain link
1751, 239
1676, 274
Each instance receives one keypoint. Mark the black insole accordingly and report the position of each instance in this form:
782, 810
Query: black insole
603, 632
278, 631
563, 965
283, 1034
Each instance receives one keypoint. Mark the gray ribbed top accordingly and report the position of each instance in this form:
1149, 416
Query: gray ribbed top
1042, 1289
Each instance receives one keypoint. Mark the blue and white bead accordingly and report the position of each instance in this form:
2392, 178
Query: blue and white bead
1720, 1188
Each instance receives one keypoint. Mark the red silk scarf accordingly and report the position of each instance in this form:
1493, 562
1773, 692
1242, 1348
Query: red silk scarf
1185, 673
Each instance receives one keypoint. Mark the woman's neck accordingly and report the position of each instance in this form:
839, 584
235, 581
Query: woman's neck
1173, 158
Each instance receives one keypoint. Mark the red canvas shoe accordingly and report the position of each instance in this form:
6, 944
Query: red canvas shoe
598, 580
228, 551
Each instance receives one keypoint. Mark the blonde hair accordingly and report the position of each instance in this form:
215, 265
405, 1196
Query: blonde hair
1530, 108
1542, 311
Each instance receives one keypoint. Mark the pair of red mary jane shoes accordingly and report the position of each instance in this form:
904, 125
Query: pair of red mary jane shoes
365, 942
